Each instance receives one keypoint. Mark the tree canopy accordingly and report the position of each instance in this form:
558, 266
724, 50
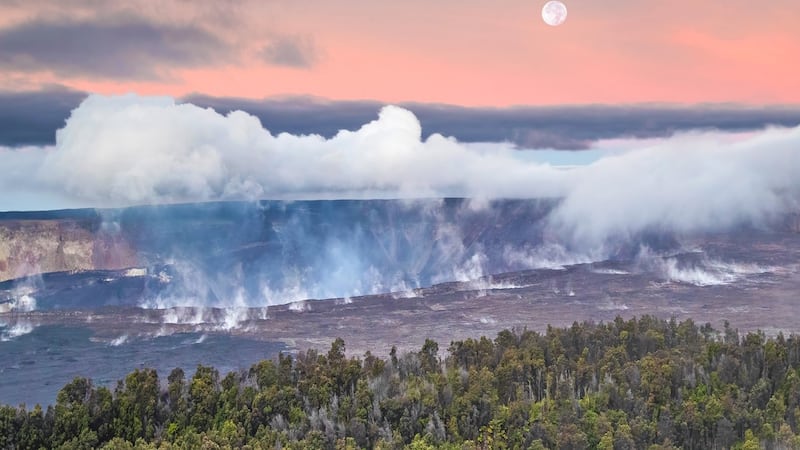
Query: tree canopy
636, 384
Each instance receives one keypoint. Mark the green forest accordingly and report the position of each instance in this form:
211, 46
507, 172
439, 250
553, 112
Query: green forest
643, 383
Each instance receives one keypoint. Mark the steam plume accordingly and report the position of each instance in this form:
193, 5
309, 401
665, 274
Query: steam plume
116, 151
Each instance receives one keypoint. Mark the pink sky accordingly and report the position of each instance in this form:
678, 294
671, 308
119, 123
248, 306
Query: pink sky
472, 52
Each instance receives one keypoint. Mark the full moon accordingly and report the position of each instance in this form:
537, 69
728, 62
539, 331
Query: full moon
554, 13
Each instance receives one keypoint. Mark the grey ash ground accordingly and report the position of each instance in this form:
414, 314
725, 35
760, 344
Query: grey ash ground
758, 289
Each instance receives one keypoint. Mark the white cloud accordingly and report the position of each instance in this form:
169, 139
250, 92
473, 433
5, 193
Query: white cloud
124, 150
688, 183
130, 149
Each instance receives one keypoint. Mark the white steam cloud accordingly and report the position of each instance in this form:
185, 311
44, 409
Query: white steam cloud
688, 183
133, 150
116, 151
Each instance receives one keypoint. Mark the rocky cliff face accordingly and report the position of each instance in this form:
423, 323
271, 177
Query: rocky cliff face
29, 247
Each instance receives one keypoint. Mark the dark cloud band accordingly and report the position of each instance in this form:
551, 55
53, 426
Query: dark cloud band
557, 127
31, 118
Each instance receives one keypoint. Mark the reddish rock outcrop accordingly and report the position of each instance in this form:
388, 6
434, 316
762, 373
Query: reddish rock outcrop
29, 247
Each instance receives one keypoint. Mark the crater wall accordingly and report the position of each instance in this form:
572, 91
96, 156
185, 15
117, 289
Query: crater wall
30, 247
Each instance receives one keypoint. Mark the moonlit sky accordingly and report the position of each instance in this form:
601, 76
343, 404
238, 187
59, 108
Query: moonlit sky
472, 52
117, 103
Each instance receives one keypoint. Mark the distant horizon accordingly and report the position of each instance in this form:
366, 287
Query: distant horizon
79, 209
